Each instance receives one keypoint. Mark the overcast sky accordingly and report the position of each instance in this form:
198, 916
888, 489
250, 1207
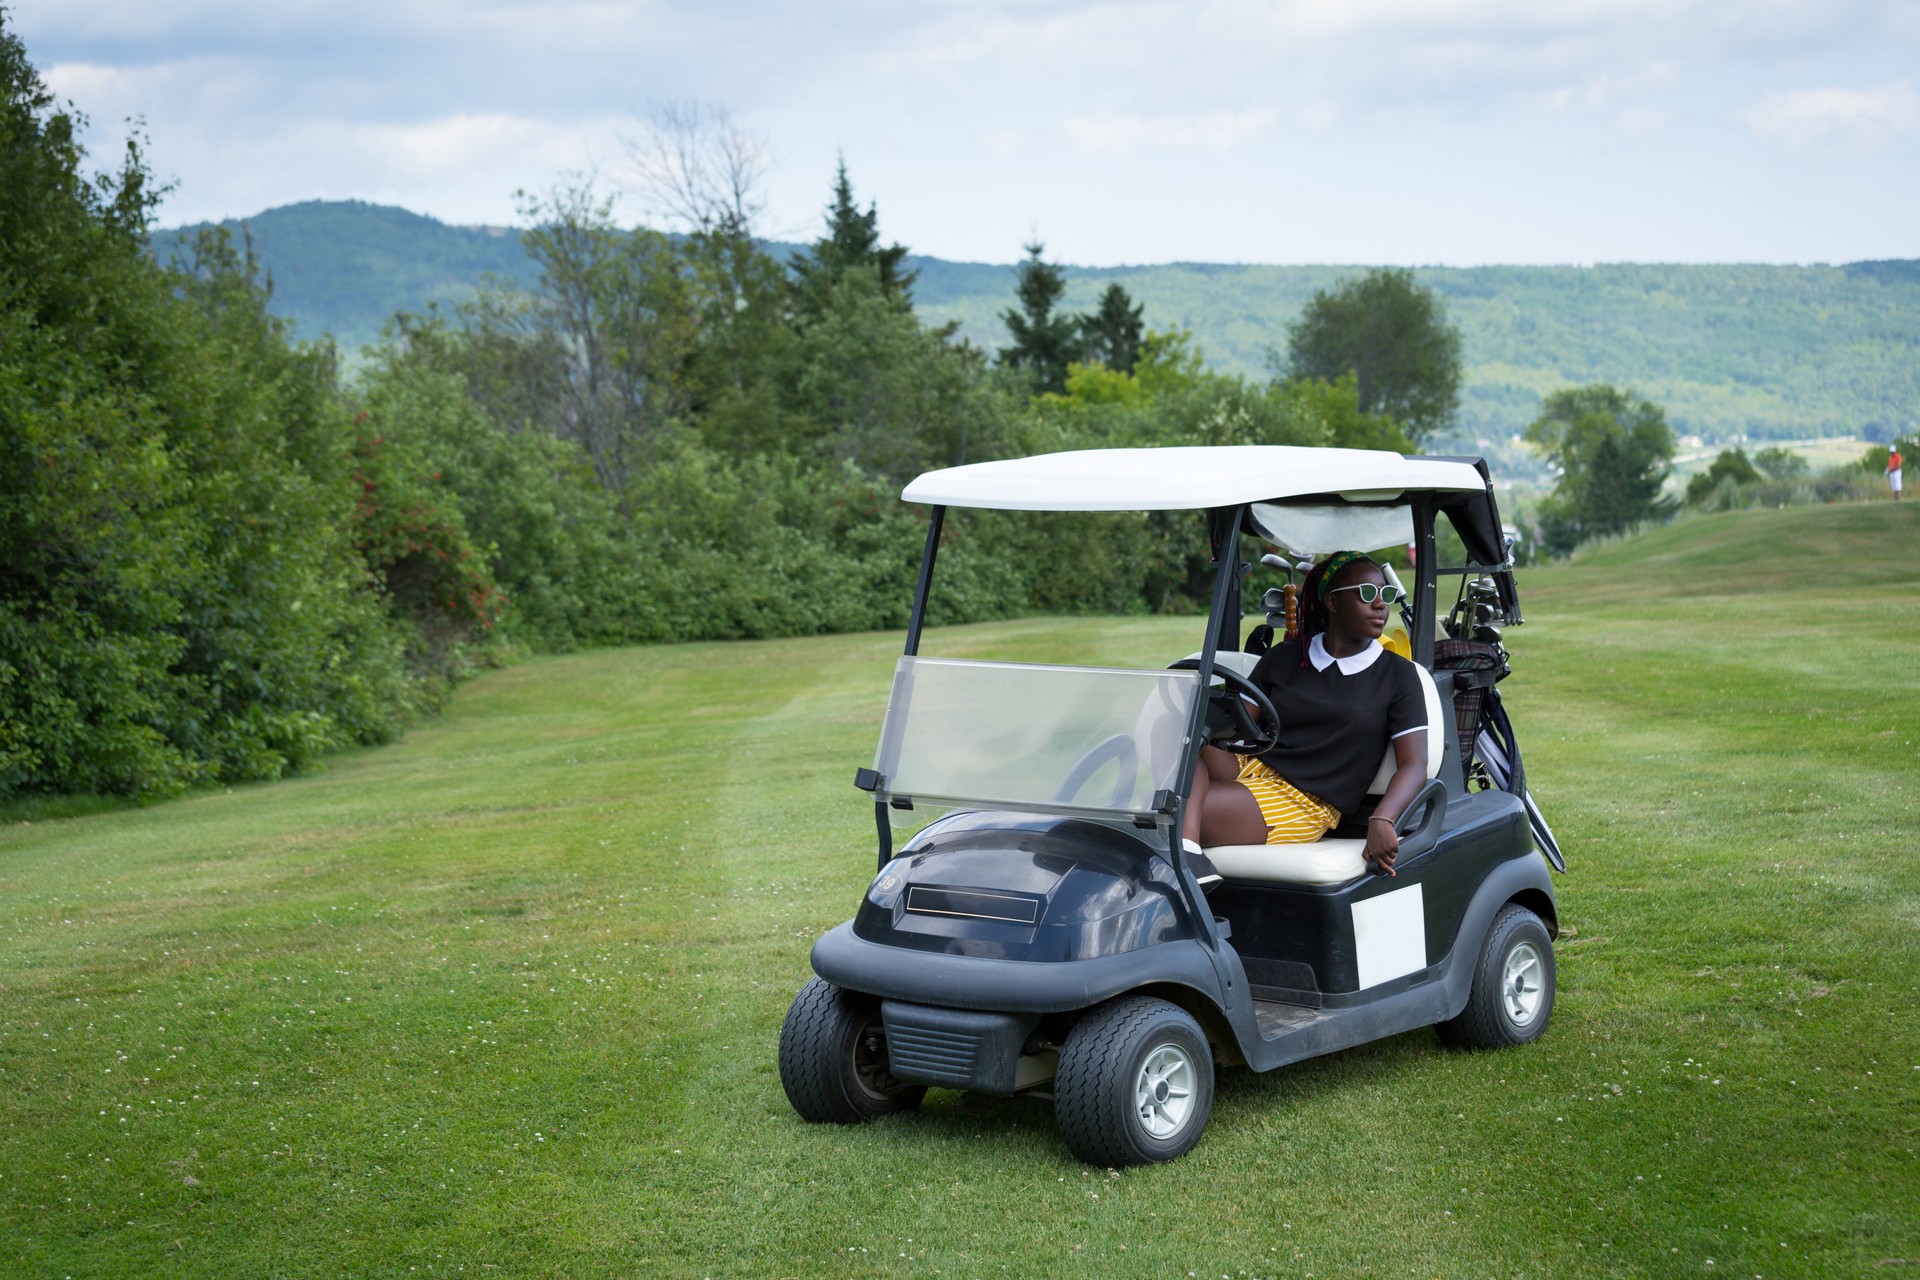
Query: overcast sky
1292, 131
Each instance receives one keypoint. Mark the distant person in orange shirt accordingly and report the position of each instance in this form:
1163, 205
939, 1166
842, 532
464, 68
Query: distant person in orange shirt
1893, 470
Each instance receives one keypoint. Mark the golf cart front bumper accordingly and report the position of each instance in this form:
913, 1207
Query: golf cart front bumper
1013, 986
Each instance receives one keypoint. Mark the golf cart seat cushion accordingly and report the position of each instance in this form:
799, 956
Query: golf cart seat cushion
1329, 861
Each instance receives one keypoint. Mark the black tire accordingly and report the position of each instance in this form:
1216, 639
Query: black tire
1513, 984
833, 1058
1133, 1049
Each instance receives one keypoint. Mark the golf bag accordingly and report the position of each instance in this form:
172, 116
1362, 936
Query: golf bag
1499, 751
1485, 733
1477, 666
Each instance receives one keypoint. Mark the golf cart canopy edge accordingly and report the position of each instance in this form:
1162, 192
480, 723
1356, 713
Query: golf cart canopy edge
1188, 477
1311, 501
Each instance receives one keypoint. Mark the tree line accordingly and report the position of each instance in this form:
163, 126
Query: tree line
221, 558
1768, 353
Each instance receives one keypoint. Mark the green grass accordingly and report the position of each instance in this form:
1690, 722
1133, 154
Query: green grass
503, 999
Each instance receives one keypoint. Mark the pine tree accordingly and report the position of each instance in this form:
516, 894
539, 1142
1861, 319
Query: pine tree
1043, 340
852, 241
1111, 335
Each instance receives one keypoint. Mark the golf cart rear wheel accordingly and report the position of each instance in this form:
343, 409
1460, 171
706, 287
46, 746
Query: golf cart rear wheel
833, 1058
1134, 1084
1512, 995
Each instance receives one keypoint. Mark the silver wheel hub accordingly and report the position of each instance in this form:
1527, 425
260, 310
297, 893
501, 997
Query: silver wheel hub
1163, 1092
1522, 984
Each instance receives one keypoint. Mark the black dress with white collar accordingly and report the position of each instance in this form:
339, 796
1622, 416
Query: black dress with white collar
1337, 716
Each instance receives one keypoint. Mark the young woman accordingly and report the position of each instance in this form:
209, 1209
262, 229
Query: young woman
1342, 698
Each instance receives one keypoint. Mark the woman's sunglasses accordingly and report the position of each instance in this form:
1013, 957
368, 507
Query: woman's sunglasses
1371, 591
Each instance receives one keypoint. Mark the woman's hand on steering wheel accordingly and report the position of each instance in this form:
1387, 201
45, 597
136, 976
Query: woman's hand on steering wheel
1231, 724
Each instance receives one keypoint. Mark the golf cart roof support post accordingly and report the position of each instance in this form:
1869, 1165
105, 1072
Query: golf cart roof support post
925, 584
1224, 523
1223, 538
1426, 581
882, 822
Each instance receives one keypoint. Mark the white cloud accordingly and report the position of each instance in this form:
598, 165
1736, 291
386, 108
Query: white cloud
1119, 134
461, 168
1803, 118
82, 81
210, 87
444, 149
965, 118
1317, 116
1608, 88
1642, 122
1364, 50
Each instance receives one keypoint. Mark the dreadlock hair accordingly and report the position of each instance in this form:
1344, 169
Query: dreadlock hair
1313, 605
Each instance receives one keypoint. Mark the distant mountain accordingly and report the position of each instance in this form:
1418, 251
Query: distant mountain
342, 267
1767, 352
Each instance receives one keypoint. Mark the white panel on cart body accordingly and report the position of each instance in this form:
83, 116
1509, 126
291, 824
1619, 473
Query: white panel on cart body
1390, 936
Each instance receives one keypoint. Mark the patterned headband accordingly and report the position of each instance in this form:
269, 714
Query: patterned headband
1336, 563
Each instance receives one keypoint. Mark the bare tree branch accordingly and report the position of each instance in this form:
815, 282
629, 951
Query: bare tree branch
697, 169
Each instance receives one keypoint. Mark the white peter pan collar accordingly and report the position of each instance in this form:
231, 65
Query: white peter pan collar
1352, 665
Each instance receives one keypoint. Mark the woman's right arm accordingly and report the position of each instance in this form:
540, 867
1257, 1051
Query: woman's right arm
1409, 774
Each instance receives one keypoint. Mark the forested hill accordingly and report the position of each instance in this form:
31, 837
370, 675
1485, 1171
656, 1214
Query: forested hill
1769, 352
343, 267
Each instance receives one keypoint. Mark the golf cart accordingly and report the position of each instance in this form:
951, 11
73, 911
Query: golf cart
1045, 935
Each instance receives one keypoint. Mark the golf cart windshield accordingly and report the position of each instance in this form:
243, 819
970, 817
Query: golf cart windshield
1091, 741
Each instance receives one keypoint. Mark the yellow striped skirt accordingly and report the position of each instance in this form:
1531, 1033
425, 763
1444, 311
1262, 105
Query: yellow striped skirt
1292, 816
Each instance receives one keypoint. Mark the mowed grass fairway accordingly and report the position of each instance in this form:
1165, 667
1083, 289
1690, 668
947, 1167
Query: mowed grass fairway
503, 999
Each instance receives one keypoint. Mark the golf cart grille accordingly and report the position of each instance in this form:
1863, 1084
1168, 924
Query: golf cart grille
923, 1053
972, 903
962, 1048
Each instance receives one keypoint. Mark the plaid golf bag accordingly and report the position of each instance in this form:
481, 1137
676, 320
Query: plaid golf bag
1477, 666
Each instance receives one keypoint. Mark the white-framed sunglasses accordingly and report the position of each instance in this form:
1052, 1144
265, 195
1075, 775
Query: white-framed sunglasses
1371, 591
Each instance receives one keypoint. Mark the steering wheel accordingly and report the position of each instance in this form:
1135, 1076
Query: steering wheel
1120, 750
1229, 726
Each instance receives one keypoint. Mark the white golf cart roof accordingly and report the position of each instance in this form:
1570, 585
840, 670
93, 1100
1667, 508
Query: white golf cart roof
1187, 477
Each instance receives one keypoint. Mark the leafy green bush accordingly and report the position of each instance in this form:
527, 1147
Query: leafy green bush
1778, 478
1730, 469
766, 546
181, 599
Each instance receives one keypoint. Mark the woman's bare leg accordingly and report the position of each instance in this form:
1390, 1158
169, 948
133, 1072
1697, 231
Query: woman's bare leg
1220, 810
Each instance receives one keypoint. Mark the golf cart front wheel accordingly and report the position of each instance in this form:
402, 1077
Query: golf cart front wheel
1134, 1084
1512, 994
833, 1058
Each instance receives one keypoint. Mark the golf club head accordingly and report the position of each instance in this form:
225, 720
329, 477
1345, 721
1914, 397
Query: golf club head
1280, 563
